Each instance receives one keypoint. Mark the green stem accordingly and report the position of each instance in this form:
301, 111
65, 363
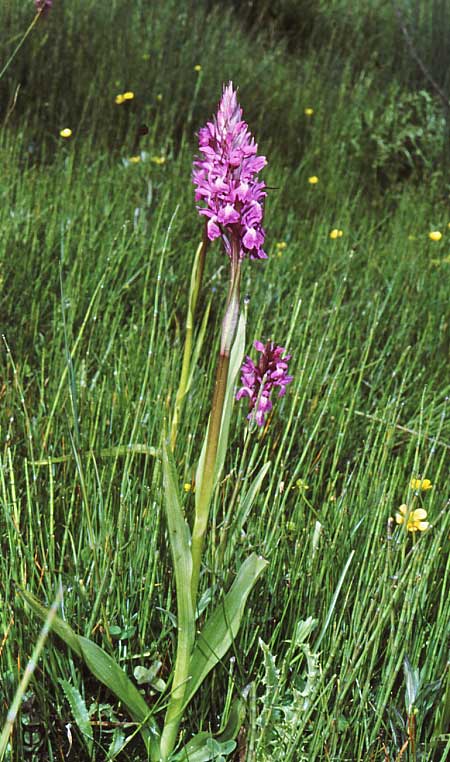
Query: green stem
17, 48
206, 487
196, 282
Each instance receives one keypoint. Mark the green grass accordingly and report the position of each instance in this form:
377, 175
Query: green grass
93, 298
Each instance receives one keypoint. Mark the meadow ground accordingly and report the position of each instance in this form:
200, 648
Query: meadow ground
98, 231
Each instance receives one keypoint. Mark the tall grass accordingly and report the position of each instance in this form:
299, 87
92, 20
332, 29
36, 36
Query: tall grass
94, 271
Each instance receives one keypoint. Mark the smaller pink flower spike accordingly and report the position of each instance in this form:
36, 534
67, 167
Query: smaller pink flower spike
259, 380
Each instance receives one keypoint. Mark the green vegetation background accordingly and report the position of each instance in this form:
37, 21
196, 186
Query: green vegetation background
95, 257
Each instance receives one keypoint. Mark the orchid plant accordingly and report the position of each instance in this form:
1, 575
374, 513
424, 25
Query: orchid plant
231, 198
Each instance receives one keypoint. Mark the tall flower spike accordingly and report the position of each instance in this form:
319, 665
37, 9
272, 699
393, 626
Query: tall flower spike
259, 380
225, 180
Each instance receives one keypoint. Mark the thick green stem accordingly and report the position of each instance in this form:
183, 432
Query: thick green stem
185, 642
207, 484
179, 541
196, 282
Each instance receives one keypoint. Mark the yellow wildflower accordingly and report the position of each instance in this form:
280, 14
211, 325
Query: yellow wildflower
309, 111
134, 159
313, 180
421, 484
187, 486
66, 132
159, 97
119, 99
301, 485
197, 67
281, 246
415, 520
336, 233
128, 96
435, 235
158, 159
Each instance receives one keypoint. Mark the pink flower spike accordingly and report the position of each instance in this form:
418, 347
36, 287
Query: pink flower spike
225, 177
259, 380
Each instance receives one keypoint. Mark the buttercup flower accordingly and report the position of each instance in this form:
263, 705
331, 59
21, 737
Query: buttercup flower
119, 99
313, 180
225, 180
197, 67
415, 520
128, 96
309, 111
134, 159
259, 380
335, 233
421, 484
158, 159
66, 132
435, 235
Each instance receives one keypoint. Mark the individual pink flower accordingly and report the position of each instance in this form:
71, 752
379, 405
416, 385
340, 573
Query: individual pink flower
259, 380
226, 180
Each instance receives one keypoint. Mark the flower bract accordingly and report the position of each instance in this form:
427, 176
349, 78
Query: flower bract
259, 380
415, 520
225, 177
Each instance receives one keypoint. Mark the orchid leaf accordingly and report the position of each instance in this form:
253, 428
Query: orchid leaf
180, 543
236, 357
204, 744
222, 626
107, 671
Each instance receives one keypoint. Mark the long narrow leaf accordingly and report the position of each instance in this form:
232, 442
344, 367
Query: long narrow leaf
180, 543
237, 354
223, 624
105, 669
